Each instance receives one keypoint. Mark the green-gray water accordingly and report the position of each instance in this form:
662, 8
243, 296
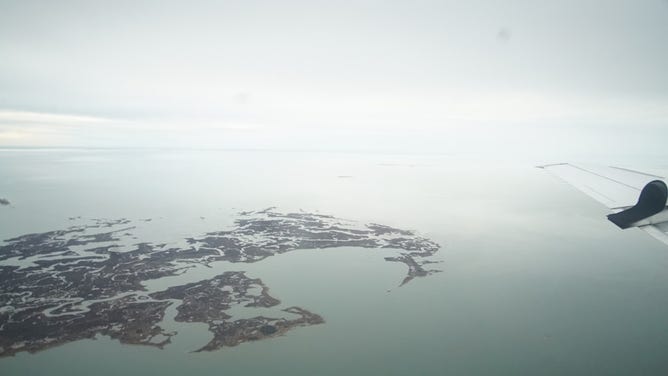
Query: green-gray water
534, 281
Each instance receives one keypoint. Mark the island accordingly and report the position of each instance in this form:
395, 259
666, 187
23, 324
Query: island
76, 283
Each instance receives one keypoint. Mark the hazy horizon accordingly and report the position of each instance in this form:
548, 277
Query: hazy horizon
523, 77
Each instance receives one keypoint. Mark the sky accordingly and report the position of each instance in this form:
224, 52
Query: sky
444, 76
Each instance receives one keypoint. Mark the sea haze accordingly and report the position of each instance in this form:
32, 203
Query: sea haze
534, 279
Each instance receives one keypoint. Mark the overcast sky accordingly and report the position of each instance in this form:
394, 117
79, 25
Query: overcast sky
406, 75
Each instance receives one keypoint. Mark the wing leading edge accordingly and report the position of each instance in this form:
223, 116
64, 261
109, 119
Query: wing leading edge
636, 199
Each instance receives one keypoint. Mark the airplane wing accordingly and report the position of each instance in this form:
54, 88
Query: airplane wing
636, 199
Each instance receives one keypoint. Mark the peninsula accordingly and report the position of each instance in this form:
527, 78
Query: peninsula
76, 283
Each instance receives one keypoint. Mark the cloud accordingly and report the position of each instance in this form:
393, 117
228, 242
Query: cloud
8, 135
25, 117
247, 76
23, 128
4, 201
282, 119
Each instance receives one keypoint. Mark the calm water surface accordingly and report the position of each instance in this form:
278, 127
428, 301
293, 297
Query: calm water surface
534, 281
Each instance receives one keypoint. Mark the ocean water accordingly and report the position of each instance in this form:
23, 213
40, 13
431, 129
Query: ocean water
535, 280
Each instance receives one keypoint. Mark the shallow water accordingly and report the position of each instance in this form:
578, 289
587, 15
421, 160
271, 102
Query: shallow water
534, 281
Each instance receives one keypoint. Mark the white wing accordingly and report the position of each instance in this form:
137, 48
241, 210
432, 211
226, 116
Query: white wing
659, 231
616, 188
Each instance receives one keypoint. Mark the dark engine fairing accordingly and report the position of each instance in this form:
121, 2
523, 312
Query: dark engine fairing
652, 200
